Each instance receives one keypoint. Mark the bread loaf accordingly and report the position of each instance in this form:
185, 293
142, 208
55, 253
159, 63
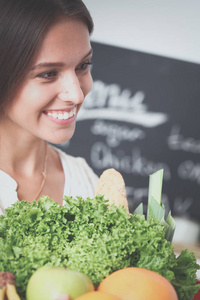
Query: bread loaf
111, 184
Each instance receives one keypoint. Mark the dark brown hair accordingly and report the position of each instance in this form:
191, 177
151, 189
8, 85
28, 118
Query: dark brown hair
23, 24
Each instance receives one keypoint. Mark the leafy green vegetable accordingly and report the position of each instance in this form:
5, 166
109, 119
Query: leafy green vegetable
87, 236
184, 272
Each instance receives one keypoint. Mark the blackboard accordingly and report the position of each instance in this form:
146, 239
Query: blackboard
143, 114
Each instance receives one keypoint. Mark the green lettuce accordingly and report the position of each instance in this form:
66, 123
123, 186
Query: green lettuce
88, 236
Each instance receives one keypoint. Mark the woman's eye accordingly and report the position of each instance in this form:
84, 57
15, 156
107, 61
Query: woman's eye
84, 66
48, 75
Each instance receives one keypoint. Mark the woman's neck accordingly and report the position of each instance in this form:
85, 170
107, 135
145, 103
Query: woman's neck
26, 159
21, 155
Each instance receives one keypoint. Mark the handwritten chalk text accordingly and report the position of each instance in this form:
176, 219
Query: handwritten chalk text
176, 141
102, 157
115, 133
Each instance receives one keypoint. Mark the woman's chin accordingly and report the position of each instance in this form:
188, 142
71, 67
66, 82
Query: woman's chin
59, 139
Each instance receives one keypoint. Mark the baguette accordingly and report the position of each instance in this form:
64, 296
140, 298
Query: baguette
7, 286
111, 184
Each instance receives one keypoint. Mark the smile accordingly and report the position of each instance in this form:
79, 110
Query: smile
62, 115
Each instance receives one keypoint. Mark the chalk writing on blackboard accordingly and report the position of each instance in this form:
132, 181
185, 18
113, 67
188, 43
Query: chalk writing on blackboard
182, 206
176, 141
190, 171
116, 133
103, 157
110, 102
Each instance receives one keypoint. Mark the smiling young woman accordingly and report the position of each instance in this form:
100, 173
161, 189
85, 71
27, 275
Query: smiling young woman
44, 78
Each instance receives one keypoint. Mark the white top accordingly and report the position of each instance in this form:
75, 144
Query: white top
80, 180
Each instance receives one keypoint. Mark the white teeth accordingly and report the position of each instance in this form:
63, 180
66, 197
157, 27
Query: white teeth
62, 116
54, 115
66, 115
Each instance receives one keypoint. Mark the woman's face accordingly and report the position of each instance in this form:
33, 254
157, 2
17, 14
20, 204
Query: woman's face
54, 89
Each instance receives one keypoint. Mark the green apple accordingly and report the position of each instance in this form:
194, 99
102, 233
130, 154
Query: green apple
48, 283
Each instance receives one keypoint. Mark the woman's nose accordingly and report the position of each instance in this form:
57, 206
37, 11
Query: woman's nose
71, 90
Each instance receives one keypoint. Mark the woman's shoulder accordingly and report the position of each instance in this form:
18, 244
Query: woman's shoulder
8, 194
70, 158
75, 164
80, 179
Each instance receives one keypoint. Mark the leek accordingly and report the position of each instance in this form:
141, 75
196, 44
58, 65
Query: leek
155, 207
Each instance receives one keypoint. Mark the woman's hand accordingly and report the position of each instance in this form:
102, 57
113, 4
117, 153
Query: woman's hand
64, 297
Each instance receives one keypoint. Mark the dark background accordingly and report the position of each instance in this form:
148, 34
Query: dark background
153, 107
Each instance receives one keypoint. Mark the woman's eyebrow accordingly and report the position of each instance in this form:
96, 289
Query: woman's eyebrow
56, 64
47, 65
89, 53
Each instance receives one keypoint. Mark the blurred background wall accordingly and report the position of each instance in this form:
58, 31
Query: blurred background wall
164, 27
